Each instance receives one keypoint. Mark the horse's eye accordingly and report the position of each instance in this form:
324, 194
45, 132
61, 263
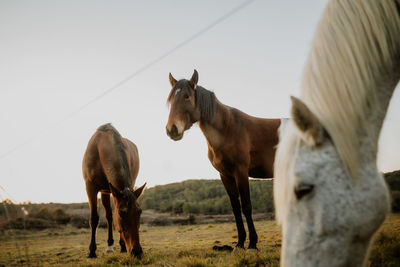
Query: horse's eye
186, 97
302, 190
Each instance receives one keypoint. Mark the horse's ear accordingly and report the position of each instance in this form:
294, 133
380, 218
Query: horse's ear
114, 191
172, 80
195, 78
312, 131
139, 191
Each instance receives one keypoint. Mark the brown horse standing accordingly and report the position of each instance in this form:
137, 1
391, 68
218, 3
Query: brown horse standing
239, 145
111, 165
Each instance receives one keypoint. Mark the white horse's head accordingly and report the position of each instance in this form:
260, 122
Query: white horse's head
329, 196
328, 218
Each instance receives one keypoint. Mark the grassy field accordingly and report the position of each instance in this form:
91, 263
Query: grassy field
189, 245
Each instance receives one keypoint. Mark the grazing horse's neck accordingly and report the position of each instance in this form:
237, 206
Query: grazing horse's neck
215, 128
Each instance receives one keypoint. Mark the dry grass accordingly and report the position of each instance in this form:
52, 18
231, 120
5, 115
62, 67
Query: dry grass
189, 245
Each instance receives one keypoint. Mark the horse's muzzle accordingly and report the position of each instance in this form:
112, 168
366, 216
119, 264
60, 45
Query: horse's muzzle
173, 133
138, 253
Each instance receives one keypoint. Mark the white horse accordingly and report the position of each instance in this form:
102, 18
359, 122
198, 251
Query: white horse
329, 196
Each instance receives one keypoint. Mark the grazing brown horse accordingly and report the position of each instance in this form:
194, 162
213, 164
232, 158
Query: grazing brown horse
239, 145
111, 165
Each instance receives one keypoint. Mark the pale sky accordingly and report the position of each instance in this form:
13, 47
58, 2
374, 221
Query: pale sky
56, 56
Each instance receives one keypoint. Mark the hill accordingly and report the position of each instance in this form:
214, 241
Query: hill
175, 203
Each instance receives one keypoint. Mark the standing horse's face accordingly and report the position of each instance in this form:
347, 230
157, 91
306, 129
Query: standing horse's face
330, 217
127, 218
183, 112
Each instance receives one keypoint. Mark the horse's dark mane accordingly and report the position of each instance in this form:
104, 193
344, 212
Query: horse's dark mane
206, 102
120, 148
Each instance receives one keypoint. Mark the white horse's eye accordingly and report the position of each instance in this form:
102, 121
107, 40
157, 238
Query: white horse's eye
302, 190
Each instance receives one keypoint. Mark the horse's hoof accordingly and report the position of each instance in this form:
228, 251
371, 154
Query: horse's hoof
92, 256
109, 249
237, 250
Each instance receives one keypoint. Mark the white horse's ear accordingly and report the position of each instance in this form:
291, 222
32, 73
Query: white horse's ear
139, 191
311, 130
172, 80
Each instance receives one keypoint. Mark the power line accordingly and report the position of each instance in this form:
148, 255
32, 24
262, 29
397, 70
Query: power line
131, 76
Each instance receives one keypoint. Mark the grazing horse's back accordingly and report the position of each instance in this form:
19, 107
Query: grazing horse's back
106, 158
110, 166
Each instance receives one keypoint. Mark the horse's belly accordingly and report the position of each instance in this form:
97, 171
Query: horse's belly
260, 172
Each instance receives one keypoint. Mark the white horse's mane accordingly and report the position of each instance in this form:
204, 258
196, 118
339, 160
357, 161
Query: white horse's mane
352, 53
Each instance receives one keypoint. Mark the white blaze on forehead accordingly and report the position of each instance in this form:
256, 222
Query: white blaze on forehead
177, 91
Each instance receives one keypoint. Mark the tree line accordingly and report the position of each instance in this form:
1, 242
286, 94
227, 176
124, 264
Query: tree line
204, 197
191, 197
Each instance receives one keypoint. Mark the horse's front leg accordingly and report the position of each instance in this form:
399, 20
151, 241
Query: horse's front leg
105, 199
94, 220
122, 244
230, 187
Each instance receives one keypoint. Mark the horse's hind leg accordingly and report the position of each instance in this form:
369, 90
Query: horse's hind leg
94, 219
244, 190
230, 186
105, 199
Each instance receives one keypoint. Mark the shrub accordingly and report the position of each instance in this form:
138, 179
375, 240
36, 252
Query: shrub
161, 221
9, 210
60, 217
393, 180
395, 201
80, 222
28, 224
44, 214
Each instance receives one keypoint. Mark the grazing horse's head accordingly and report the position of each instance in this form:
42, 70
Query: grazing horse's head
327, 216
127, 217
329, 195
184, 112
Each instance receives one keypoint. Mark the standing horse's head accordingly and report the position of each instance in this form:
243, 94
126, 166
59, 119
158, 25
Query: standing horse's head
183, 112
127, 217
